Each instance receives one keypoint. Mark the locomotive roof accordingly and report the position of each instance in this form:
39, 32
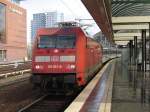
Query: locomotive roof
68, 24
55, 29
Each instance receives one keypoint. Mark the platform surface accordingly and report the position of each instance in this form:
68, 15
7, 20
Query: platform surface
95, 96
120, 88
131, 89
99, 98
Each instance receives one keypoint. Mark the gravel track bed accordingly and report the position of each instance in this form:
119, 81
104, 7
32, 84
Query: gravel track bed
17, 95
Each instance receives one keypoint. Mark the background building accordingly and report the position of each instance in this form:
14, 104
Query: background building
13, 43
52, 18
39, 21
15, 1
47, 19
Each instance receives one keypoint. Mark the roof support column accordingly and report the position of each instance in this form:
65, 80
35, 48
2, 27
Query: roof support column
135, 50
131, 50
143, 50
149, 46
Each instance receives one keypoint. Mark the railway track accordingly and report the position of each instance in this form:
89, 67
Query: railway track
49, 103
14, 82
13, 70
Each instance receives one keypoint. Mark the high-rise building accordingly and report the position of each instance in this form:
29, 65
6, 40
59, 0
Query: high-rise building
16, 1
52, 18
13, 43
47, 19
39, 21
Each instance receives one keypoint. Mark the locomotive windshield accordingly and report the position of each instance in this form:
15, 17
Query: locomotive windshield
57, 41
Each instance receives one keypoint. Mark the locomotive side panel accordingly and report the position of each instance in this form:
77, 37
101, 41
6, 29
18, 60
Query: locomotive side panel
80, 57
93, 57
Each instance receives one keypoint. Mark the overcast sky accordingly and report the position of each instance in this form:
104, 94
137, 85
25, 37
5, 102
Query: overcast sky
72, 9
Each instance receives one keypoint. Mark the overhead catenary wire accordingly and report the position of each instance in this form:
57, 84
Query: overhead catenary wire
69, 9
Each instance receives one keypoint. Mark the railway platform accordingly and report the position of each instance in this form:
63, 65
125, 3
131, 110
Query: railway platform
96, 96
118, 87
131, 90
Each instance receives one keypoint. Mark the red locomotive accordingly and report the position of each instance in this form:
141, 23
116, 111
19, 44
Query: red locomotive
64, 56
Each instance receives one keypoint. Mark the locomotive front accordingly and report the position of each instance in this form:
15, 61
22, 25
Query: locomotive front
54, 58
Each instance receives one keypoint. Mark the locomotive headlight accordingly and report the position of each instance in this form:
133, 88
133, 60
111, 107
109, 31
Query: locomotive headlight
37, 67
72, 66
56, 51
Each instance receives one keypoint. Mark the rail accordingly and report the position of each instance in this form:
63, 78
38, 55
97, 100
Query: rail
13, 69
47, 103
13, 63
20, 72
34, 102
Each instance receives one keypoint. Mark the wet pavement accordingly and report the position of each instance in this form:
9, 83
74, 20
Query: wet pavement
97, 97
131, 89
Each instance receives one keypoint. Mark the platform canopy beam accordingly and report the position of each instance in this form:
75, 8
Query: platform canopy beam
122, 42
131, 26
130, 1
100, 10
130, 19
129, 34
125, 38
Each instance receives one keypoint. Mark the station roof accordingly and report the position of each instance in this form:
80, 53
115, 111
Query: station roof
120, 17
101, 12
130, 8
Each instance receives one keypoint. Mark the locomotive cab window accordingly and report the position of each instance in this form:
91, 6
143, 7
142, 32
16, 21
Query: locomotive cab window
65, 42
60, 41
47, 42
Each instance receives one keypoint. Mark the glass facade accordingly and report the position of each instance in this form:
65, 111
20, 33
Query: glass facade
2, 22
16, 1
42, 20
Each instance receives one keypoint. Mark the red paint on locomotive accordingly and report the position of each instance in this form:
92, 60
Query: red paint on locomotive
79, 61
